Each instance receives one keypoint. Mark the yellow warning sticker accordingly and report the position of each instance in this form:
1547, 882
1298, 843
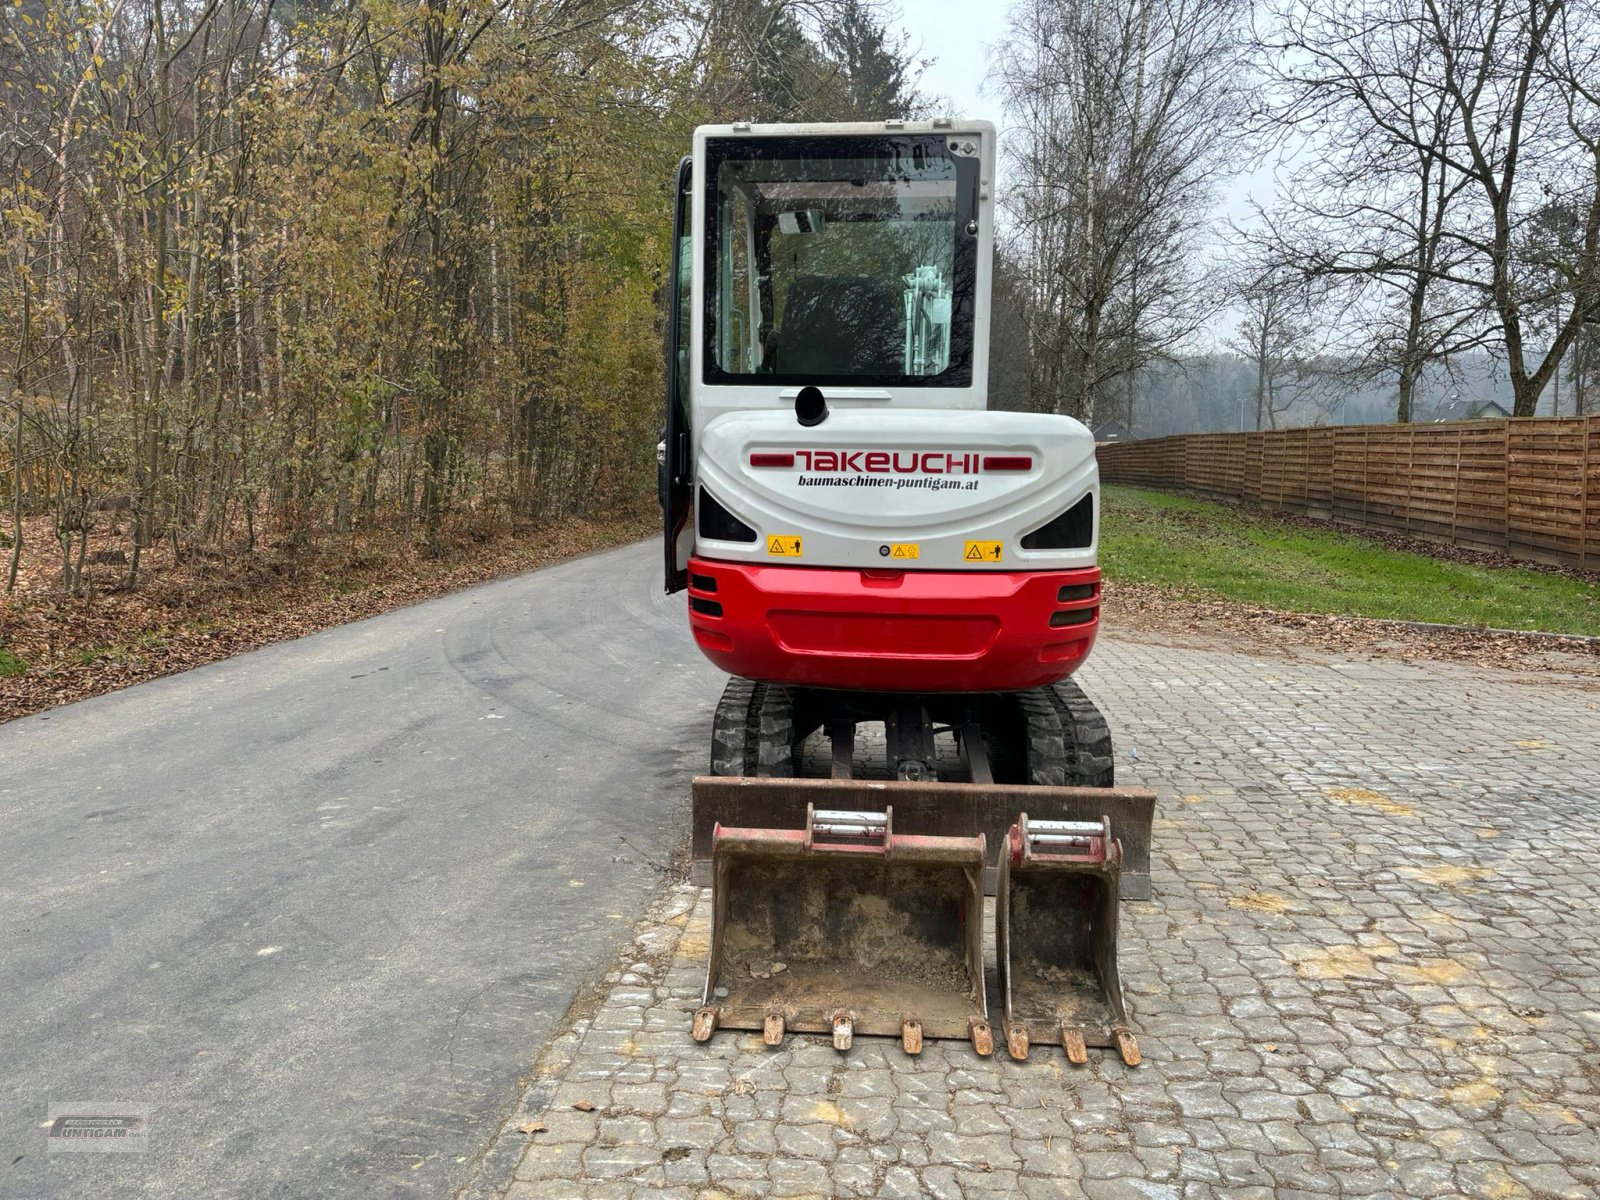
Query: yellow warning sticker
905, 550
783, 545
984, 552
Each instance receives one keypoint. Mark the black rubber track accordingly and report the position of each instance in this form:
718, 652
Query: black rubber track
733, 729
1043, 737
775, 729
1091, 759
752, 732
1064, 738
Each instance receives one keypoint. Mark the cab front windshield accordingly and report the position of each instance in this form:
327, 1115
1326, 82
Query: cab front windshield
840, 260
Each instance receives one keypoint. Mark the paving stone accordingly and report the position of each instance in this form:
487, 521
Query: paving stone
685, 1172
755, 1137
645, 1099
807, 1141
958, 1149
1050, 1189
1130, 1189
1201, 1100
625, 1131
586, 1190
800, 1179
1370, 969
690, 1133
1426, 1177
876, 1081
568, 1126
901, 1183
854, 1179
975, 1117
917, 1119
1113, 1165
608, 1162
1267, 1106
545, 1161
736, 1168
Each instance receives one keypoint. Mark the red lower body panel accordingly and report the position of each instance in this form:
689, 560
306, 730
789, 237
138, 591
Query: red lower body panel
897, 631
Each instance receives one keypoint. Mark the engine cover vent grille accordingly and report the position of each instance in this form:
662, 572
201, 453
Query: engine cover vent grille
718, 524
1072, 530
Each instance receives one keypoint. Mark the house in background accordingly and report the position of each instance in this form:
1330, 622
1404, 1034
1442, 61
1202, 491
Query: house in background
1469, 410
1113, 431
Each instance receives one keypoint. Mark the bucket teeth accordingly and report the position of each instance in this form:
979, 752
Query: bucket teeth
982, 1036
705, 1023
843, 1030
1017, 1041
1127, 1046
1072, 1043
911, 1036
772, 1029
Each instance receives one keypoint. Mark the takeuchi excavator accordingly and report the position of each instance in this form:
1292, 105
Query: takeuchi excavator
900, 581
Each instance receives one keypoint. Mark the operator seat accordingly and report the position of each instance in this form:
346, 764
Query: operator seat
842, 325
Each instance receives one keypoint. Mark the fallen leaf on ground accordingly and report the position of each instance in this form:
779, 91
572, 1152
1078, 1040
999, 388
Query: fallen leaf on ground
1166, 616
533, 1127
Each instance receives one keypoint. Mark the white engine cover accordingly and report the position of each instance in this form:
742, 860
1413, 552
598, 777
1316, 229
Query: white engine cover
904, 488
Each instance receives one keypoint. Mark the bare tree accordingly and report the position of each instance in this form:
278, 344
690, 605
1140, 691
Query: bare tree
1368, 205
1444, 132
1275, 335
1120, 117
1583, 368
1526, 81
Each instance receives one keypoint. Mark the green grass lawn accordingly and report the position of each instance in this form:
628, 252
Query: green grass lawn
1195, 547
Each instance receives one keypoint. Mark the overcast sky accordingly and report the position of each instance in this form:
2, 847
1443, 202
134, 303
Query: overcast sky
961, 35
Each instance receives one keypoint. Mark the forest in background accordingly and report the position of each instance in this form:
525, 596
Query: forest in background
277, 269
285, 270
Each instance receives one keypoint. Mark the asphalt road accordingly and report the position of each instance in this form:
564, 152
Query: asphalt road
318, 907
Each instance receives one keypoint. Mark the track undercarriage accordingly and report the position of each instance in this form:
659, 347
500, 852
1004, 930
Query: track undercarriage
850, 837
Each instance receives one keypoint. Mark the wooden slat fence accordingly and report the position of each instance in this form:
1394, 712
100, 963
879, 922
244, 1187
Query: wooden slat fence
1528, 487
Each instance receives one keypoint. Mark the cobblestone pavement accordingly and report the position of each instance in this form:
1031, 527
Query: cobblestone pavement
1370, 969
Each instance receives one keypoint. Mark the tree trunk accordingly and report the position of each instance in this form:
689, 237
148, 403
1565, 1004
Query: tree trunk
1408, 383
1263, 369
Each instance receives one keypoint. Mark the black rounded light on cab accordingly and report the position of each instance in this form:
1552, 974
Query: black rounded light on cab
809, 406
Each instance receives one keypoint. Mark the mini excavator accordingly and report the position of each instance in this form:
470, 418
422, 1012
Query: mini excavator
900, 582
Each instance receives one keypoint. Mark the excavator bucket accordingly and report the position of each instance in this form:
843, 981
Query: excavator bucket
844, 927
1056, 938
936, 808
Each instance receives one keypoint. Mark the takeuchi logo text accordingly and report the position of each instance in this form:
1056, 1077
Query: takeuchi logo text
890, 462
